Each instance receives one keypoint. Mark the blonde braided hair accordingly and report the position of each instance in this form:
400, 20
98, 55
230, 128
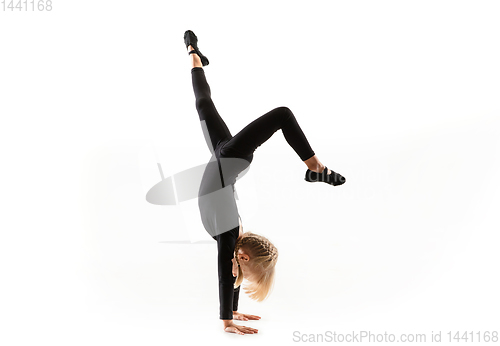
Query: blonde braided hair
263, 257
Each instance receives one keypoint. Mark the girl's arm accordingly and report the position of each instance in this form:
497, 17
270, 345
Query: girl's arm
225, 247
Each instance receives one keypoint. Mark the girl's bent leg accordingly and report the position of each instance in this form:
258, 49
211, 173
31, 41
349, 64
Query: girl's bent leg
245, 142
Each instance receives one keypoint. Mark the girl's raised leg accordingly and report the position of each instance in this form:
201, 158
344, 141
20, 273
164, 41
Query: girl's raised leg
214, 128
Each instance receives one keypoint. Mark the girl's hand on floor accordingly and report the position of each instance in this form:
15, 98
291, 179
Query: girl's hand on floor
234, 328
244, 317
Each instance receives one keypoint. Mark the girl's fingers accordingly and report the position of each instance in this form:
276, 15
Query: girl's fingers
243, 330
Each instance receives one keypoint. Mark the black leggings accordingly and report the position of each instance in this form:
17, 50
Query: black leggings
245, 142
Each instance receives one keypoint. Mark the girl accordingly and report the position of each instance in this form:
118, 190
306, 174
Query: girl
241, 255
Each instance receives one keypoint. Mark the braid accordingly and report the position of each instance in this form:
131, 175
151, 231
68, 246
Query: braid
263, 257
259, 247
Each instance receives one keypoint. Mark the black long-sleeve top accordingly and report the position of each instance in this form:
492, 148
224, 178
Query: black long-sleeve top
220, 217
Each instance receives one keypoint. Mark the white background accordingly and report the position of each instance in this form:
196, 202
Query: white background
400, 97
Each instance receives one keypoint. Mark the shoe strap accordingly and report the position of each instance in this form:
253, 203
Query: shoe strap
328, 176
191, 52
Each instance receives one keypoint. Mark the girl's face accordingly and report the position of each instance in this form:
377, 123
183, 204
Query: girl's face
235, 267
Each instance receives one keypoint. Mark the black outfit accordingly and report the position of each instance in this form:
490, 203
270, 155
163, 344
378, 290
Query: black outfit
230, 156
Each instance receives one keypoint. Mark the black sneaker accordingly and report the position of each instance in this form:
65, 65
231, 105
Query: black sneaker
332, 178
191, 39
